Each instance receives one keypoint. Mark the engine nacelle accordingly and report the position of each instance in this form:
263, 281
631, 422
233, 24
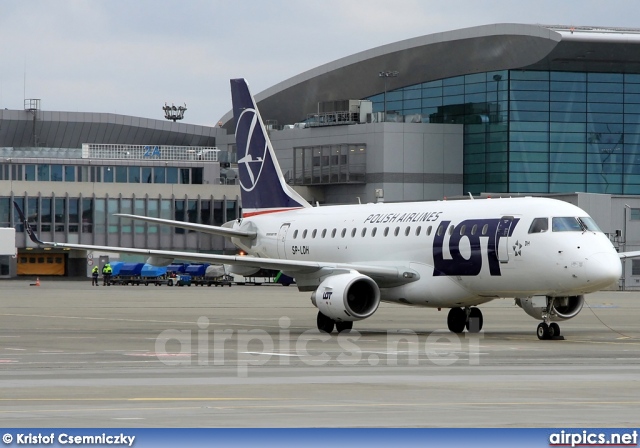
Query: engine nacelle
347, 297
563, 308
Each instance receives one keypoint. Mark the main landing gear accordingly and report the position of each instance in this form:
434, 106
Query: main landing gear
461, 318
326, 324
548, 331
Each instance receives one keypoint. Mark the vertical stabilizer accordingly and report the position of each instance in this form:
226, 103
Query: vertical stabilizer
264, 189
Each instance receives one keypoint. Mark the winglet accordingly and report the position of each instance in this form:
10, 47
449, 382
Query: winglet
27, 226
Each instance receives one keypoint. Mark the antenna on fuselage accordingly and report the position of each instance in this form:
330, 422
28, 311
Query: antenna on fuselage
471, 196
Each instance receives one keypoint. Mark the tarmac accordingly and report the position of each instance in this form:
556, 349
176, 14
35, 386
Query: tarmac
73, 355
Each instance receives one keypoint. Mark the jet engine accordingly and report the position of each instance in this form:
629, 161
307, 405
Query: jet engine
347, 297
558, 308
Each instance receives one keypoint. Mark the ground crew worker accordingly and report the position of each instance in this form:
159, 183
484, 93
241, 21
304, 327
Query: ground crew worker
94, 276
106, 275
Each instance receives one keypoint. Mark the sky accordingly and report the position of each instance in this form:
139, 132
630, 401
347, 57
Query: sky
131, 57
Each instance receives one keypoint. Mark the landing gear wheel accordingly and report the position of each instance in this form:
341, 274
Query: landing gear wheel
325, 324
344, 327
456, 320
543, 331
554, 330
474, 321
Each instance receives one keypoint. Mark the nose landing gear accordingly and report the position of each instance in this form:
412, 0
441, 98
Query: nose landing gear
548, 330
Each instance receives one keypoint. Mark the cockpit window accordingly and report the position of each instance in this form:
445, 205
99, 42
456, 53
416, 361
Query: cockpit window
590, 224
539, 225
568, 224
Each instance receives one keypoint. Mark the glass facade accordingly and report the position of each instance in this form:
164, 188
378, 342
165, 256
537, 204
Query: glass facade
329, 164
62, 215
536, 131
107, 174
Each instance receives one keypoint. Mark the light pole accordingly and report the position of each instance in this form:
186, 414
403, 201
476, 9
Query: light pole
174, 113
387, 74
624, 247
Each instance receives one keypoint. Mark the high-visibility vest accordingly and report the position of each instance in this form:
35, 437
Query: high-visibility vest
94, 270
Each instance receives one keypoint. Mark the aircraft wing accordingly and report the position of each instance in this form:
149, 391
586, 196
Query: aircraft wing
624, 255
204, 228
384, 275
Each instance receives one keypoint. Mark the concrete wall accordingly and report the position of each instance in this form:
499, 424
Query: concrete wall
409, 161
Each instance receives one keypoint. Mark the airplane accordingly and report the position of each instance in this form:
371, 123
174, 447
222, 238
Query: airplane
544, 253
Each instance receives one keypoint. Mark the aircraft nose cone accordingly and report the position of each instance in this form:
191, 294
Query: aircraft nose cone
605, 269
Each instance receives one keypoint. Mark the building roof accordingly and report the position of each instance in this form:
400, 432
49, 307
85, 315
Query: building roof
442, 55
72, 129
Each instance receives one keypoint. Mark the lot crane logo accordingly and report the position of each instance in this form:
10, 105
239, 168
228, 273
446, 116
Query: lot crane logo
255, 149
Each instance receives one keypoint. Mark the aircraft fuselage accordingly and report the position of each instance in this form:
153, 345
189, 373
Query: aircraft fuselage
465, 252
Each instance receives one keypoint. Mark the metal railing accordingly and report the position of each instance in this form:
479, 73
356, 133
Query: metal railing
149, 152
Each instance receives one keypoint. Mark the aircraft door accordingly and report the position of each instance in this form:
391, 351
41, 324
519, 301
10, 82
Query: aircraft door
502, 238
282, 235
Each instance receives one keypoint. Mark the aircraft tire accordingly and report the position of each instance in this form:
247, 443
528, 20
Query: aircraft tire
475, 320
543, 331
456, 320
325, 324
344, 327
556, 329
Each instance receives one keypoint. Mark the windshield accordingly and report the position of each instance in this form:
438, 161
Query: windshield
590, 224
572, 224
569, 224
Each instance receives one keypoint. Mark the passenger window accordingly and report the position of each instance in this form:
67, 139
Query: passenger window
395, 232
304, 234
406, 231
295, 234
344, 232
450, 230
474, 229
463, 229
440, 230
333, 233
418, 230
428, 230
386, 231
324, 233
374, 231
364, 232
313, 234
539, 225
485, 228
353, 233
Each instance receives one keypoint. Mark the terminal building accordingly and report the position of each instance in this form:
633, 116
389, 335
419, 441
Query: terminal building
504, 109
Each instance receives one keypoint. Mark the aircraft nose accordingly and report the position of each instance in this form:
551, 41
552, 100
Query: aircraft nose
604, 269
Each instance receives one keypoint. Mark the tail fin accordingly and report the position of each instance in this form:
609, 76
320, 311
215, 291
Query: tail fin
264, 189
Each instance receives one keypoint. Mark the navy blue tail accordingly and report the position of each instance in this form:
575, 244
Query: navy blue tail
264, 189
